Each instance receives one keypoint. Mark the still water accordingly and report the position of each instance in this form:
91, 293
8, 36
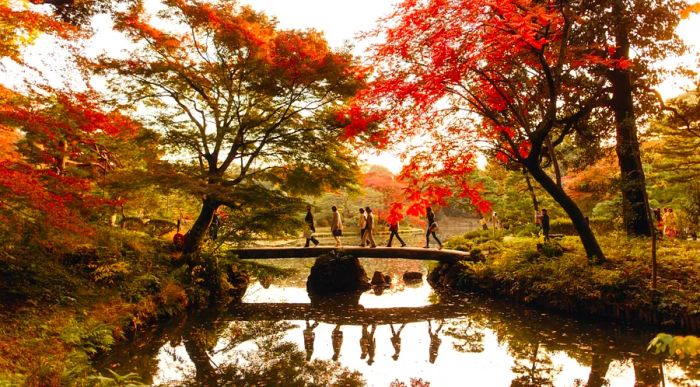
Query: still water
406, 333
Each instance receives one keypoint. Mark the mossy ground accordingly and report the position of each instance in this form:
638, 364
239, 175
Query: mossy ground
559, 276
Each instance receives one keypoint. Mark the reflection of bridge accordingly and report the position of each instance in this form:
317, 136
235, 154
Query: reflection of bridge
348, 315
359, 252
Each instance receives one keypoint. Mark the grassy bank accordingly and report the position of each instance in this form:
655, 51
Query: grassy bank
59, 311
558, 276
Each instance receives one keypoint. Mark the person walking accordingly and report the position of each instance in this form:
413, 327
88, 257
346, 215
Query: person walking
336, 226
310, 229
394, 229
363, 226
432, 228
545, 224
369, 232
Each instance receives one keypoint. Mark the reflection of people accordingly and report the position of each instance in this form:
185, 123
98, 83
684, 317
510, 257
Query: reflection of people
372, 345
336, 226
310, 229
309, 337
364, 342
432, 228
337, 341
434, 342
396, 340
369, 232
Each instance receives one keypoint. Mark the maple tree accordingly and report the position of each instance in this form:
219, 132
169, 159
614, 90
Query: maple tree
249, 104
57, 141
58, 157
471, 74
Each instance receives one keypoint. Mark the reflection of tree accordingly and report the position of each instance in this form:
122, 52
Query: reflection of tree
647, 371
531, 368
599, 368
273, 361
468, 336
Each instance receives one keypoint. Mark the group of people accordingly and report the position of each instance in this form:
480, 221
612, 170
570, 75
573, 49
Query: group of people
368, 343
367, 225
666, 222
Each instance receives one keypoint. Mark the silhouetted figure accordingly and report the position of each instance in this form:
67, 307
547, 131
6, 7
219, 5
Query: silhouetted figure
310, 229
363, 226
435, 341
364, 342
394, 228
432, 228
396, 340
545, 225
368, 236
309, 337
337, 226
337, 341
372, 345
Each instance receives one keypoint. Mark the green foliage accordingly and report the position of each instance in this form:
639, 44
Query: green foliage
115, 380
675, 346
89, 336
142, 286
109, 273
552, 249
557, 274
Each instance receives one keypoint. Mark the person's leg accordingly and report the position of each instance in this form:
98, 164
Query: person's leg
371, 238
399, 239
436, 238
307, 242
314, 240
427, 237
391, 238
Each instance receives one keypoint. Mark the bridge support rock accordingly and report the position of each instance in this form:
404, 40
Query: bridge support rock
334, 274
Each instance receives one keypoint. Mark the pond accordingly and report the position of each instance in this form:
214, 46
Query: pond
407, 334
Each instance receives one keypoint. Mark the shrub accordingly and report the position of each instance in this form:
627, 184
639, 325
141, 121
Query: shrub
551, 249
89, 336
109, 273
173, 299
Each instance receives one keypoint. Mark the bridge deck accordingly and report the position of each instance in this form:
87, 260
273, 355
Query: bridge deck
360, 252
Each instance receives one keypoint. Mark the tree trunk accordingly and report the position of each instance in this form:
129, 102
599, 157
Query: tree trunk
531, 191
599, 368
632, 180
553, 157
588, 239
194, 237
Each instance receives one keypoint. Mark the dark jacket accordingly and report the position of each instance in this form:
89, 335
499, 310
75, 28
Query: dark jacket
309, 219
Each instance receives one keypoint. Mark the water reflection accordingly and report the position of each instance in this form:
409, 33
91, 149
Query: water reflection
277, 337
